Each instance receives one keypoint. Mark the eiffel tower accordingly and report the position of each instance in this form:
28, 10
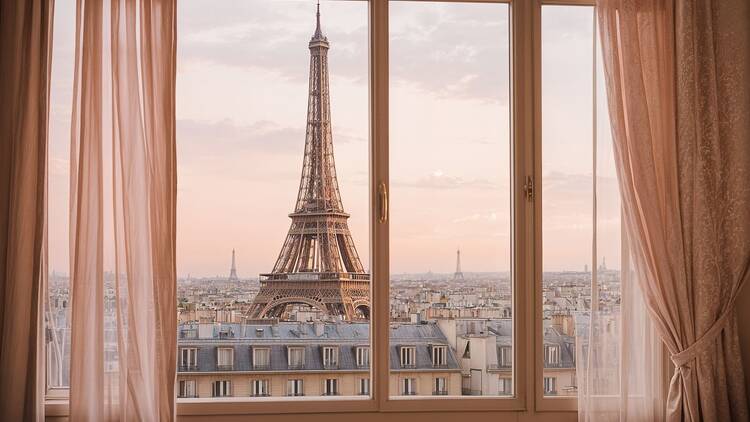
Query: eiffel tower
318, 264
458, 275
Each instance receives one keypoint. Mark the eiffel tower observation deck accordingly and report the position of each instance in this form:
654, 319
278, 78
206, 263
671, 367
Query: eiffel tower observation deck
318, 264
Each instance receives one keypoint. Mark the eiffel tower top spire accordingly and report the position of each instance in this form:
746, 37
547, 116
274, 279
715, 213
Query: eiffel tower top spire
233, 269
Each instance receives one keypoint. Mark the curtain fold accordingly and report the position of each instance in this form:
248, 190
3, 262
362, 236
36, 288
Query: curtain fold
677, 84
25, 58
124, 312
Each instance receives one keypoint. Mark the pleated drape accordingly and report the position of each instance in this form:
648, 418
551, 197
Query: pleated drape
678, 95
123, 332
25, 59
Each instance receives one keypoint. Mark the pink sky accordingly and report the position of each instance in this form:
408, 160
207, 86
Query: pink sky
241, 107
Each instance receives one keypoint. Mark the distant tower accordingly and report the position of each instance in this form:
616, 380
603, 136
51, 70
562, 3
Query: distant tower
458, 275
318, 264
233, 270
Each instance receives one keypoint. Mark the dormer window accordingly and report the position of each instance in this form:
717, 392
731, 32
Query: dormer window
363, 357
408, 356
261, 358
225, 358
505, 356
330, 357
296, 357
439, 355
552, 354
188, 358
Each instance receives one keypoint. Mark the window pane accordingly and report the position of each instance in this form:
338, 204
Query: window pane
272, 132
576, 162
450, 256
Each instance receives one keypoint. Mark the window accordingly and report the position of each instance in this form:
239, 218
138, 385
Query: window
441, 388
550, 385
456, 156
224, 359
363, 387
331, 387
187, 389
439, 355
330, 357
505, 356
260, 388
296, 358
408, 356
409, 386
188, 358
505, 386
450, 173
551, 355
294, 388
363, 357
221, 388
261, 358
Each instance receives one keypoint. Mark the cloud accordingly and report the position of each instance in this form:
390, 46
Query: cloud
439, 180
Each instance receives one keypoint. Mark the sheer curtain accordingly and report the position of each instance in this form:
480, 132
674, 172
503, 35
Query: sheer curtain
25, 56
123, 341
677, 85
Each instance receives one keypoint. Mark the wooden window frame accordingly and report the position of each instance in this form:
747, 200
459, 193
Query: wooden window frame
527, 350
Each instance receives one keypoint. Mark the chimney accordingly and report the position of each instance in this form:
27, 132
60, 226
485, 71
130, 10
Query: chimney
319, 327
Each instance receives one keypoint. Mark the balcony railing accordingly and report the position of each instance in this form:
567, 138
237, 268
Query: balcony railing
440, 393
498, 366
261, 367
224, 367
187, 368
296, 366
331, 365
471, 392
188, 396
409, 393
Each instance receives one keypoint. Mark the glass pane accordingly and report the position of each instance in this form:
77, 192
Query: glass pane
450, 237
273, 241
576, 161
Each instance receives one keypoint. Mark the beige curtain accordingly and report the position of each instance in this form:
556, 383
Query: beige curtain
25, 52
677, 84
123, 333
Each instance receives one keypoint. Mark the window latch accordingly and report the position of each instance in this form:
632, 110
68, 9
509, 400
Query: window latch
528, 188
383, 194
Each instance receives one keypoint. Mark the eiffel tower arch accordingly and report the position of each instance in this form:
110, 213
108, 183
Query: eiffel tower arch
318, 265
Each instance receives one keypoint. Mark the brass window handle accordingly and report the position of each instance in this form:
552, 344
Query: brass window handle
383, 196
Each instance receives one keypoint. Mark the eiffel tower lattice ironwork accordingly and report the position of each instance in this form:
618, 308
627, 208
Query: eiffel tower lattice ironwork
318, 264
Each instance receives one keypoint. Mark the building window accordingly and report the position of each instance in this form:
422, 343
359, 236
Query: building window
187, 389
504, 386
260, 388
552, 355
261, 358
550, 385
505, 356
294, 388
363, 357
441, 388
331, 387
225, 358
364, 387
188, 358
439, 355
330, 357
409, 386
221, 388
296, 357
408, 356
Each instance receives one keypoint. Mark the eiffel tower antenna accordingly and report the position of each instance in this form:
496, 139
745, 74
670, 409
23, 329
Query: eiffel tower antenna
318, 265
458, 275
233, 270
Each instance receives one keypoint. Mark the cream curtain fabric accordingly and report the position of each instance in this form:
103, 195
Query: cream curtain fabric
677, 86
123, 335
25, 56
